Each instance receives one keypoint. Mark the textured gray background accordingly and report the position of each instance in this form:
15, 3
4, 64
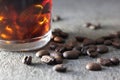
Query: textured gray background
74, 13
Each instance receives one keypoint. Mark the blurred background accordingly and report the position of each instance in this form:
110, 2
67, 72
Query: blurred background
87, 9
77, 12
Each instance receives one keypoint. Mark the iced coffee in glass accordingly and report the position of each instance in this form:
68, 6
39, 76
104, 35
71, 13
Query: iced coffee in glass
24, 24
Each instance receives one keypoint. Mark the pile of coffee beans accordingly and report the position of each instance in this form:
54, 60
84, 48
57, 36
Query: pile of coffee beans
60, 48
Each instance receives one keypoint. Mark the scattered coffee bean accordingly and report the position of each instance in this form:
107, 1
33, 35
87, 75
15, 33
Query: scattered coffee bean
116, 44
53, 36
41, 53
56, 18
88, 42
58, 57
57, 30
68, 47
93, 27
71, 43
112, 35
115, 60
93, 67
59, 68
53, 54
108, 42
79, 38
104, 62
84, 50
87, 24
48, 59
27, 60
77, 48
117, 33
99, 41
102, 49
93, 47
116, 40
92, 52
60, 49
53, 46
108, 37
59, 39
63, 34
74, 54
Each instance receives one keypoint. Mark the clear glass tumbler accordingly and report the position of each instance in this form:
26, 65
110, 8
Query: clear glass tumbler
24, 24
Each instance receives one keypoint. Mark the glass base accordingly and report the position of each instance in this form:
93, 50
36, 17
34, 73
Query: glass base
28, 45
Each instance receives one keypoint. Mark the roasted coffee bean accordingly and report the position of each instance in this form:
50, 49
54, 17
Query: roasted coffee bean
104, 62
27, 60
99, 41
87, 24
93, 47
112, 35
60, 49
116, 40
48, 59
59, 39
84, 50
88, 42
69, 45
79, 38
108, 37
57, 30
57, 56
74, 54
72, 43
93, 67
77, 48
63, 34
58, 59
53, 46
53, 36
115, 60
60, 68
117, 33
94, 27
102, 49
92, 52
108, 42
116, 44
68, 48
41, 53
56, 18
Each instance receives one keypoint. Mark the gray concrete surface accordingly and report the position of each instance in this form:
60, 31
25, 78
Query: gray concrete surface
74, 13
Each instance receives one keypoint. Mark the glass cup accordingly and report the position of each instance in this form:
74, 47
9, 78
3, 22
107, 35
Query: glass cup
24, 24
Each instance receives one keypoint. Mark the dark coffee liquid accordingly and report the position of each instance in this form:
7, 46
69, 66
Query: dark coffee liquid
24, 19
